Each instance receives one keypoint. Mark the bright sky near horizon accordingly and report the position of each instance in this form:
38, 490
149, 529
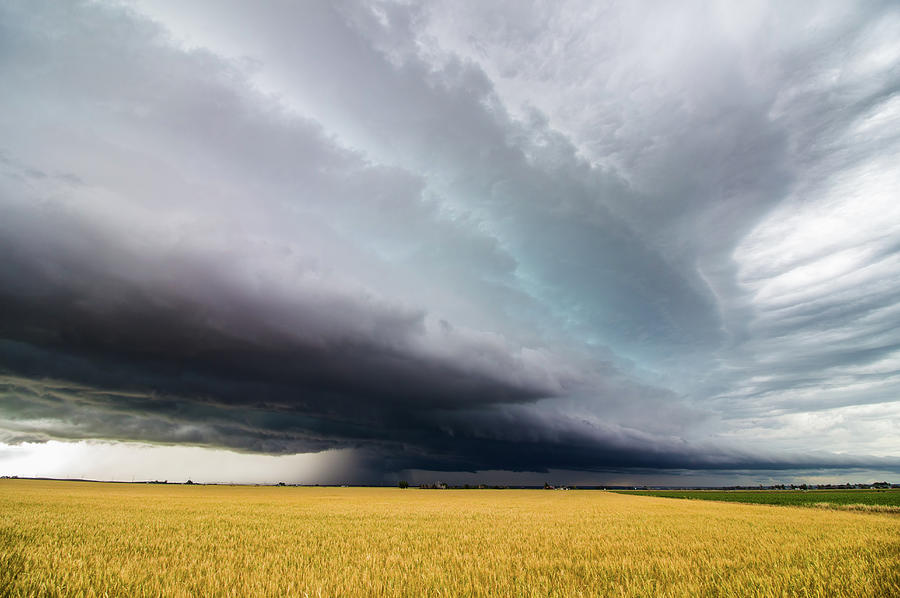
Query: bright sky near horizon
356, 241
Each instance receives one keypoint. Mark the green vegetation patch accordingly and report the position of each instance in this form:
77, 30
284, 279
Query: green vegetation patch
809, 498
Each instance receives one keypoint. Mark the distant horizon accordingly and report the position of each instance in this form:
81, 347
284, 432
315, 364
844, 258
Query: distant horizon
93, 464
483, 486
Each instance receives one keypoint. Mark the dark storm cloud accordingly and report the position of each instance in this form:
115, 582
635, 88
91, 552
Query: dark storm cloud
438, 237
512, 438
176, 320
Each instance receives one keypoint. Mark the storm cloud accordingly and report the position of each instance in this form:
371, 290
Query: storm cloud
455, 236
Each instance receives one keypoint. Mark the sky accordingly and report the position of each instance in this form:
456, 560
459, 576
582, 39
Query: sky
494, 242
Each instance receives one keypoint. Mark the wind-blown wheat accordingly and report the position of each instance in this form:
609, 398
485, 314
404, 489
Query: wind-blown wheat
65, 539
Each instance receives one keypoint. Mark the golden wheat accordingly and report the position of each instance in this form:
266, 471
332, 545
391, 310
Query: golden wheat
858, 507
88, 539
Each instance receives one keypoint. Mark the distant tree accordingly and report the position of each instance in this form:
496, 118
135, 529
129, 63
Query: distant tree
403, 484
189, 482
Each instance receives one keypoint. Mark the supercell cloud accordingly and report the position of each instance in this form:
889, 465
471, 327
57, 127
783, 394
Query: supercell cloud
455, 236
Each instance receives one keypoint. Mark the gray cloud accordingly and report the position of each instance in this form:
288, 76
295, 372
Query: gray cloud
440, 237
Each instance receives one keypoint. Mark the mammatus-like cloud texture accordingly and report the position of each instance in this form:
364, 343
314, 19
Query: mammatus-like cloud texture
455, 236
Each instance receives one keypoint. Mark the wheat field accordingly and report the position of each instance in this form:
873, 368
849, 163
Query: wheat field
92, 539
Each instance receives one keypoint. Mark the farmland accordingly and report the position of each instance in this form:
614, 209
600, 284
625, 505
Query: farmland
70, 538
888, 500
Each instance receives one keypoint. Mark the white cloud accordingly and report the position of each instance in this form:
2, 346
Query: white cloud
126, 462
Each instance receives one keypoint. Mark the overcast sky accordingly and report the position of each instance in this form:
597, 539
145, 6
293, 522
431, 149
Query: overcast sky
336, 241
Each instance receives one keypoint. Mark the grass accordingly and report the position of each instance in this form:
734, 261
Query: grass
884, 501
87, 539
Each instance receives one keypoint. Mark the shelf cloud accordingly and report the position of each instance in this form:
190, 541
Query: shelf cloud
453, 236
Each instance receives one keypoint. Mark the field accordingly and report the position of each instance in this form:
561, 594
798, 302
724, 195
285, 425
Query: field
90, 539
874, 500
